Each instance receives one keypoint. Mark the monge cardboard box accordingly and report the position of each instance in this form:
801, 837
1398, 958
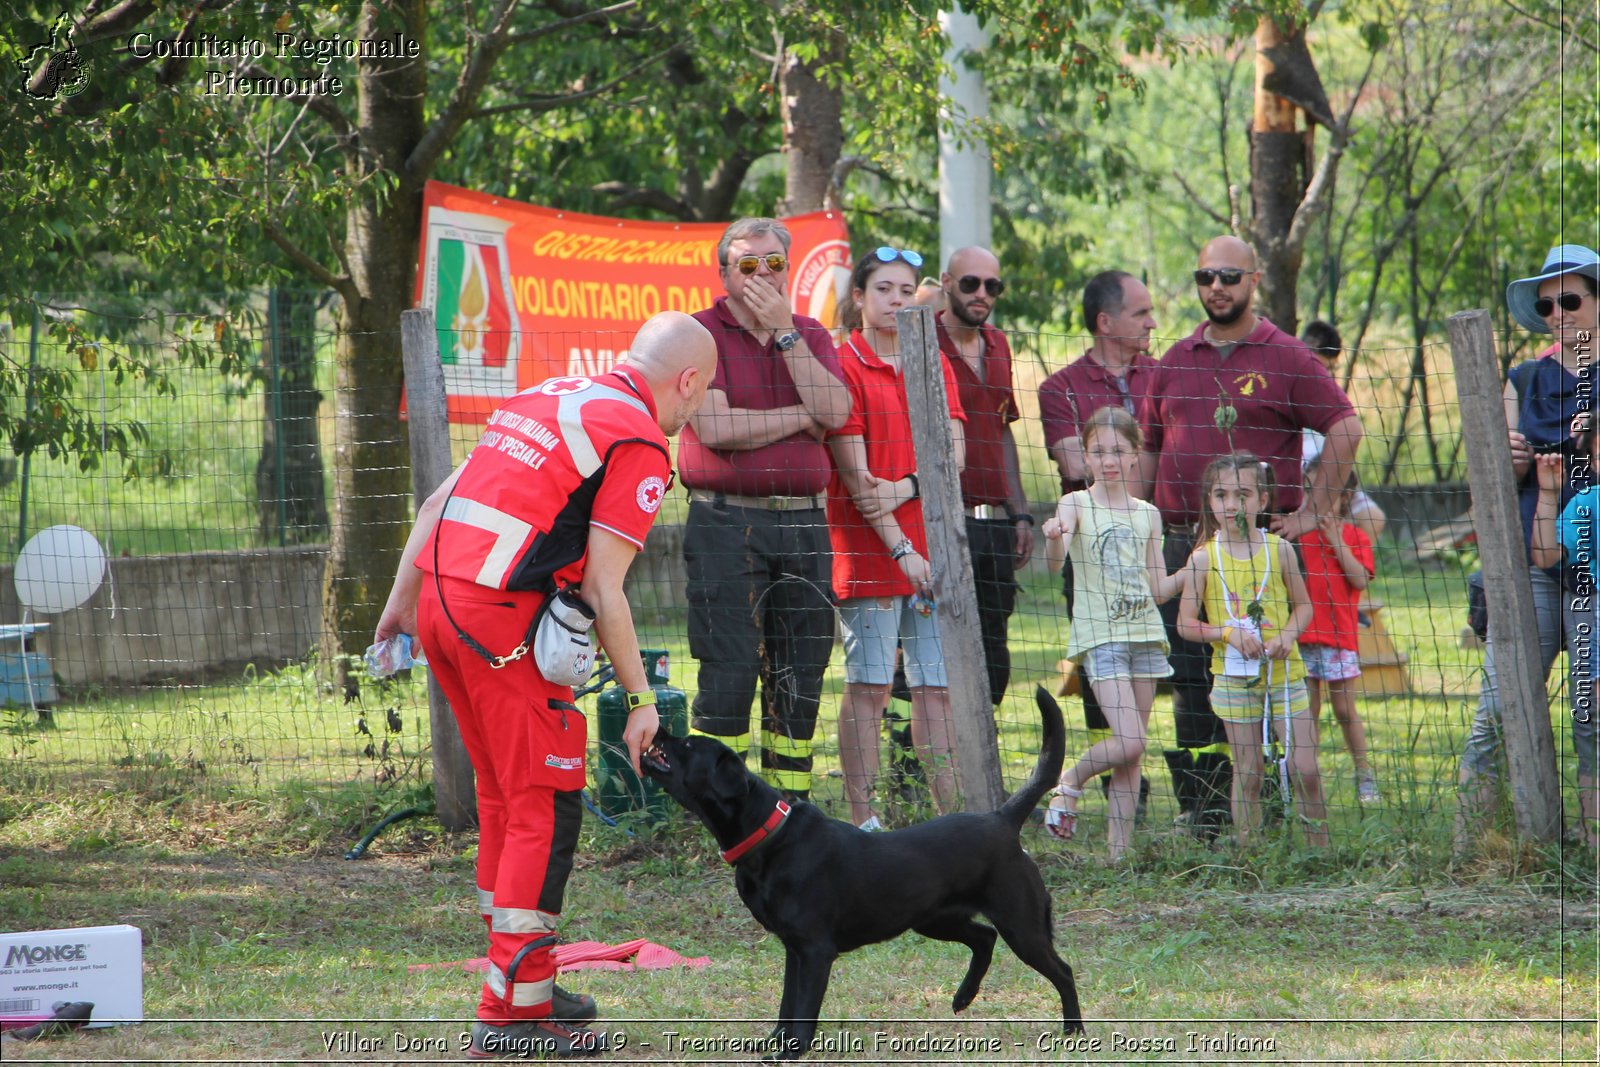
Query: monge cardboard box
41, 968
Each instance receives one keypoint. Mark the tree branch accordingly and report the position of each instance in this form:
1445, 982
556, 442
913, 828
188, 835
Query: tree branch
550, 102
1561, 27
571, 21
1216, 216
342, 283
624, 195
1319, 191
321, 106
474, 75
836, 180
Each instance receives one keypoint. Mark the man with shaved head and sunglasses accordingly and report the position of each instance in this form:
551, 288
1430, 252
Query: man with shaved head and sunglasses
756, 539
1237, 383
999, 525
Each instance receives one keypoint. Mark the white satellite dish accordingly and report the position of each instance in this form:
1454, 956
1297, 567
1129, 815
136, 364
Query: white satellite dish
59, 569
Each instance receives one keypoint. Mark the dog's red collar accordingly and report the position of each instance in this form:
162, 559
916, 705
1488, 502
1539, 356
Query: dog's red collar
764, 831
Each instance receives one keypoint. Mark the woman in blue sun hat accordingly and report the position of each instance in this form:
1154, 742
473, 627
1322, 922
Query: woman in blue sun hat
1544, 399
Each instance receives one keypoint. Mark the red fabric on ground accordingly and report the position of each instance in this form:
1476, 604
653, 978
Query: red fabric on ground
638, 955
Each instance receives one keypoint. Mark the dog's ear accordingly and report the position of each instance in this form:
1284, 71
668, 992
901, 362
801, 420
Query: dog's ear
729, 779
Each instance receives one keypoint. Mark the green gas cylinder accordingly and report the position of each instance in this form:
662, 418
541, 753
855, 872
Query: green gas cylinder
620, 790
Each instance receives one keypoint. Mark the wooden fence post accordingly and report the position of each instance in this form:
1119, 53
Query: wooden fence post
1524, 705
453, 796
956, 595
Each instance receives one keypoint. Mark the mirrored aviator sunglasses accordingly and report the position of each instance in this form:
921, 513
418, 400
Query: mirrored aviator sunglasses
1544, 307
886, 254
775, 262
968, 283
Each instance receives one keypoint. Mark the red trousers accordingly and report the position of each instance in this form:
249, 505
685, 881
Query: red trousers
526, 740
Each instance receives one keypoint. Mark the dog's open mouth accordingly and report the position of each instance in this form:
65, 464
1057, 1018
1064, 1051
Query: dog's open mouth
653, 759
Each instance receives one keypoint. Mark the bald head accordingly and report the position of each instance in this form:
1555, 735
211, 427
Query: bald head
677, 356
973, 259
1227, 251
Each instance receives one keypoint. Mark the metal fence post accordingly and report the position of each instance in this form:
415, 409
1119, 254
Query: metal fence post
430, 466
1524, 706
961, 640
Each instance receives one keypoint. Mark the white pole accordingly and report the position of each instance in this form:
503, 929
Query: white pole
963, 158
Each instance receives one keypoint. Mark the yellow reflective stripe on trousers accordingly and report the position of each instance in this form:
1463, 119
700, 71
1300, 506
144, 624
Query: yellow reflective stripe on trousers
522, 921
781, 745
524, 994
740, 743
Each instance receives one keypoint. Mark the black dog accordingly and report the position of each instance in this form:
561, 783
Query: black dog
825, 888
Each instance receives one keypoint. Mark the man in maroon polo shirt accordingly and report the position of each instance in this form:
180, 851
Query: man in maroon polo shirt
756, 540
1116, 369
999, 525
1275, 388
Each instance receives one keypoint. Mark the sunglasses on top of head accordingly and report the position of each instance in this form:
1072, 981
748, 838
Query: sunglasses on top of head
886, 254
1544, 307
775, 261
1228, 275
968, 283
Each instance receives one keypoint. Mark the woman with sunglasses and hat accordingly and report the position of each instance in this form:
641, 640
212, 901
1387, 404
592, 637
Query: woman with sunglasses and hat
880, 568
1543, 399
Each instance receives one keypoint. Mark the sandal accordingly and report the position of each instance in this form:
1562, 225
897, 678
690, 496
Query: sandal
1063, 821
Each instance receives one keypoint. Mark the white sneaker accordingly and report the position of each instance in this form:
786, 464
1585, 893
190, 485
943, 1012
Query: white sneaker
872, 825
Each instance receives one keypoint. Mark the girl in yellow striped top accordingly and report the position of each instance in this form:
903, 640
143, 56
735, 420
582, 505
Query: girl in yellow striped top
1250, 585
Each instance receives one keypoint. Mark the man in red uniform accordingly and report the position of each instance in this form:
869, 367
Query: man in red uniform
999, 525
756, 539
1238, 383
559, 493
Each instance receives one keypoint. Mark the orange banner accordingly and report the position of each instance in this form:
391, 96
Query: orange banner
523, 293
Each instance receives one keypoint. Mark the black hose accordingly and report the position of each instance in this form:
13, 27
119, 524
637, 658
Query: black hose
383, 824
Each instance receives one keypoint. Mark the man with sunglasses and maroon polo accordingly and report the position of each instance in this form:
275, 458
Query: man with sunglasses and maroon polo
1238, 383
999, 525
756, 540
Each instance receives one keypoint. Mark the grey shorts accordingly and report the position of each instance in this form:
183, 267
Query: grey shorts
1124, 659
873, 625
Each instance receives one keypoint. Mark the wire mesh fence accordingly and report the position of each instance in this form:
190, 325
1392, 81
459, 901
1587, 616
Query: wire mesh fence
195, 668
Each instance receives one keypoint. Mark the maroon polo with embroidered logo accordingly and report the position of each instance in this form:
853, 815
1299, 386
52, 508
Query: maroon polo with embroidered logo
1276, 386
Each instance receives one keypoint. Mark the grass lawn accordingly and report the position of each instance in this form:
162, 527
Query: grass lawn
214, 818
266, 946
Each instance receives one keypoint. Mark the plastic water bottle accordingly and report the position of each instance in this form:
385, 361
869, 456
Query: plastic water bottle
388, 657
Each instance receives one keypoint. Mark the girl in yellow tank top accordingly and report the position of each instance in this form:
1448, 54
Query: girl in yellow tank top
1249, 583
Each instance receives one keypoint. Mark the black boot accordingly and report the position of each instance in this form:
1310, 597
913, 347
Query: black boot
1185, 787
1215, 773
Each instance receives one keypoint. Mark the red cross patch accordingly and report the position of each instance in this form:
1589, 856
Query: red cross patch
651, 492
565, 386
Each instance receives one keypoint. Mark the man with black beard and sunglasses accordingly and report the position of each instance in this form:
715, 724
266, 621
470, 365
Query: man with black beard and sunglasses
999, 525
1237, 383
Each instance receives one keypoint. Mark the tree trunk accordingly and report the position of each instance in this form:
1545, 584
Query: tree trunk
291, 502
1278, 178
372, 474
813, 134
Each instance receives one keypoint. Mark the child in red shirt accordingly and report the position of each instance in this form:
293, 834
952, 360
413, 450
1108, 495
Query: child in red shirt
1339, 563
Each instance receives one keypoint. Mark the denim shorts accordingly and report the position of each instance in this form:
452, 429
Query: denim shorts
873, 625
1125, 659
1326, 663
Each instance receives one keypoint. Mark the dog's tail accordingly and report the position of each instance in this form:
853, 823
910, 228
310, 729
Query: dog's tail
1048, 770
